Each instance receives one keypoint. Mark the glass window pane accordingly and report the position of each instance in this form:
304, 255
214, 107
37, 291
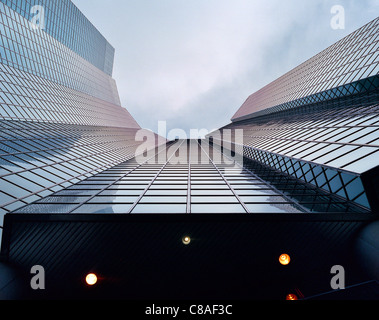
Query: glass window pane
63, 199
255, 191
270, 199
351, 156
46, 208
207, 199
333, 154
165, 192
167, 199
162, 209
225, 192
364, 164
112, 199
272, 208
5, 198
217, 208
103, 208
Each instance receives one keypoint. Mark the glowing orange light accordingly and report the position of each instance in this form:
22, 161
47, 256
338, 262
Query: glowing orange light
291, 296
91, 279
186, 240
284, 259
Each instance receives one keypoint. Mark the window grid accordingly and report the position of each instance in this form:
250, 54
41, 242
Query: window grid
341, 69
163, 187
80, 36
55, 156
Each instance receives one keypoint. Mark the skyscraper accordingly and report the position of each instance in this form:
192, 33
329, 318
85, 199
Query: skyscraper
317, 123
61, 118
184, 218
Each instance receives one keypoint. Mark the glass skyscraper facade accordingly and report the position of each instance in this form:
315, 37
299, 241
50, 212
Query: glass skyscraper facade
60, 114
317, 134
188, 186
71, 172
64, 22
318, 123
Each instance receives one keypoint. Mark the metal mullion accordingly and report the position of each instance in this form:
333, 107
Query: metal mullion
314, 141
47, 188
152, 181
61, 136
61, 162
117, 180
69, 148
188, 210
271, 186
226, 181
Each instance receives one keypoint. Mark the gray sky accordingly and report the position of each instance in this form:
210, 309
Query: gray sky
194, 62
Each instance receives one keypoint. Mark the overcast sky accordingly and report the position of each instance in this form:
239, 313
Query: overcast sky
194, 62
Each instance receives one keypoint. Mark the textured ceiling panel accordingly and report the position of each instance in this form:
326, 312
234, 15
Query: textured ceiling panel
144, 257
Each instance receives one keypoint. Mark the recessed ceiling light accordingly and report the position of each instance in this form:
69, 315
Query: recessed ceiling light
186, 240
91, 279
284, 259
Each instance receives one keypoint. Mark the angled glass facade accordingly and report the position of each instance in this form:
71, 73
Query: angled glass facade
84, 187
328, 149
341, 69
26, 48
64, 22
319, 123
60, 115
306, 148
188, 186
